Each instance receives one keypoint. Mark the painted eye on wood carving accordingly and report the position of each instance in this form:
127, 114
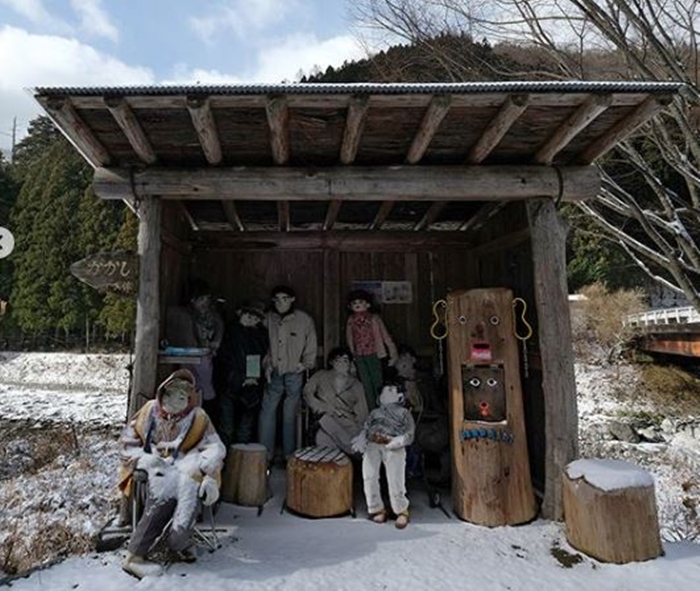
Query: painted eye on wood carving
491, 382
475, 382
495, 320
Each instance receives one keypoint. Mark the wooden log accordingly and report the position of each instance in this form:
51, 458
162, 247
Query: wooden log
357, 183
244, 481
610, 511
548, 234
319, 482
491, 482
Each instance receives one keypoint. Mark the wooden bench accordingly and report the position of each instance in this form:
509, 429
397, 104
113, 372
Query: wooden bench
610, 511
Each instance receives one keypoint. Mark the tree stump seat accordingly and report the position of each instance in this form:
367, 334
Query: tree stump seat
610, 511
244, 481
319, 482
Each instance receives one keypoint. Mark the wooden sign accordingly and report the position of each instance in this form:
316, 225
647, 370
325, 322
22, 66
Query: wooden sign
113, 272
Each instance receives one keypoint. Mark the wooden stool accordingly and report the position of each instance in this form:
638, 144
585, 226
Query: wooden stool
244, 481
610, 511
319, 482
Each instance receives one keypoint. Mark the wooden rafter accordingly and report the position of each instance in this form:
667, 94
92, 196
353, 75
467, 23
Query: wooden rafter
623, 128
331, 214
78, 133
278, 119
129, 124
354, 124
583, 116
232, 216
283, 215
512, 108
430, 215
188, 216
384, 211
480, 217
205, 126
434, 114
385, 183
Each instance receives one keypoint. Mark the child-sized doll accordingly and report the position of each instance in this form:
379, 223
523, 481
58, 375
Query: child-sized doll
369, 341
383, 440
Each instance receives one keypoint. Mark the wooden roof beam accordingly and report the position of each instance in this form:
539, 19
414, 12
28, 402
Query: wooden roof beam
510, 110
283, 215
437, 109
332, 214
231, 213
205, 126
357, 183
278, 119
354, 124
384, 211
188, 216
486, 211
430, 215
74, 128
129, 124
581, 118
644, 111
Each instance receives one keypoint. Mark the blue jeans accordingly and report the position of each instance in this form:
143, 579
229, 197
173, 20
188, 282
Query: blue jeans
289, 386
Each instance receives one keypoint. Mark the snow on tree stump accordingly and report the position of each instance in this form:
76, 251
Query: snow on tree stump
610, 511
319, 482
244, 480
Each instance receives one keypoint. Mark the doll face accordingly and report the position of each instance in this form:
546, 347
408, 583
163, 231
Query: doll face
282, 302
357, 306
249, 319
390, 395
341, 364
175, 400
202, 303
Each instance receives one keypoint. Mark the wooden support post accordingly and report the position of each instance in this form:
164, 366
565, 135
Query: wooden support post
331, 301
148, 304
548, 235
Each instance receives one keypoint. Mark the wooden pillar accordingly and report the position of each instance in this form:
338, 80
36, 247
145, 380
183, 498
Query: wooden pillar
548, 235
332, 330
148, 304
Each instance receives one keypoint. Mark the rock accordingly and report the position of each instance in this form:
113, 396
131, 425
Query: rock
651, 434
623, 432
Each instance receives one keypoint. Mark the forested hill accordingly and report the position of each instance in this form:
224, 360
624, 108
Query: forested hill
46, 201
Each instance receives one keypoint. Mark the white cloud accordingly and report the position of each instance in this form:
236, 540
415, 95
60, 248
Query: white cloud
34, 12
242, 16
305, 52
183, 75
94, 20
47, 60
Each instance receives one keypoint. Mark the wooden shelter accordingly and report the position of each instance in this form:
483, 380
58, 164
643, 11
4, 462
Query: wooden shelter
445, 186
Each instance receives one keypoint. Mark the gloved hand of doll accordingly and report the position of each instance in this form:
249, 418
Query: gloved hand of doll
208, 491
150, 462
395, 443
359, 443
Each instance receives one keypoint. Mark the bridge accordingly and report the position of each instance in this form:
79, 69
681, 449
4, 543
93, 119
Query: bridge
673, 331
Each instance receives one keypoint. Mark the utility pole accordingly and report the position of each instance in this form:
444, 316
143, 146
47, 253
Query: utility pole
14, 137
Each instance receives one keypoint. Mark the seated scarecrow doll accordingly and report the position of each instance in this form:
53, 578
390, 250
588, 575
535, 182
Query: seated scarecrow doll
383, 440
175, 443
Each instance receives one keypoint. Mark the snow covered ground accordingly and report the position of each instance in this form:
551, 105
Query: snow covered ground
66, 487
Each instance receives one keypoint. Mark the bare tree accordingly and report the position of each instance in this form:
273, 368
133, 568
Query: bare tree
656, 217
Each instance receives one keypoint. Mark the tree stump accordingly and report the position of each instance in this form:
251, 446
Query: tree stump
319, 482
610, 511
244, 480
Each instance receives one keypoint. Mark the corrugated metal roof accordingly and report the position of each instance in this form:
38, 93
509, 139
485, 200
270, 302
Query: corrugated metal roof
369, 88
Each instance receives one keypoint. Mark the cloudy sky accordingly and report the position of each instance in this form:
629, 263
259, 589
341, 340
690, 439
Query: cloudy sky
115, 42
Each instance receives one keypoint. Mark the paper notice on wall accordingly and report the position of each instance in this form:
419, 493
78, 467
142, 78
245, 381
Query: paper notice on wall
252, 366
387, 292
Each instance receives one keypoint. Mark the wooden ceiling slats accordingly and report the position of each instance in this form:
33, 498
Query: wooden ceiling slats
512, 108
434, 114
205, 126
430, 216
283, 215
384, 211
64, 114
487, 211
129, 124
354, 124
648, 108
278, 119
231, 212
331, 214
581, 118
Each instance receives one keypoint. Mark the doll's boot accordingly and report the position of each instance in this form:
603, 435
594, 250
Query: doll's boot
379, 517
402, 520
139, 567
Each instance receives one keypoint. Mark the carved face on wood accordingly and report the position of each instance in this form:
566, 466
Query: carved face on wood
484, 393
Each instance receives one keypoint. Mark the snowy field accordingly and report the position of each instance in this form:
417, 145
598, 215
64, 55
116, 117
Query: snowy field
80, 401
